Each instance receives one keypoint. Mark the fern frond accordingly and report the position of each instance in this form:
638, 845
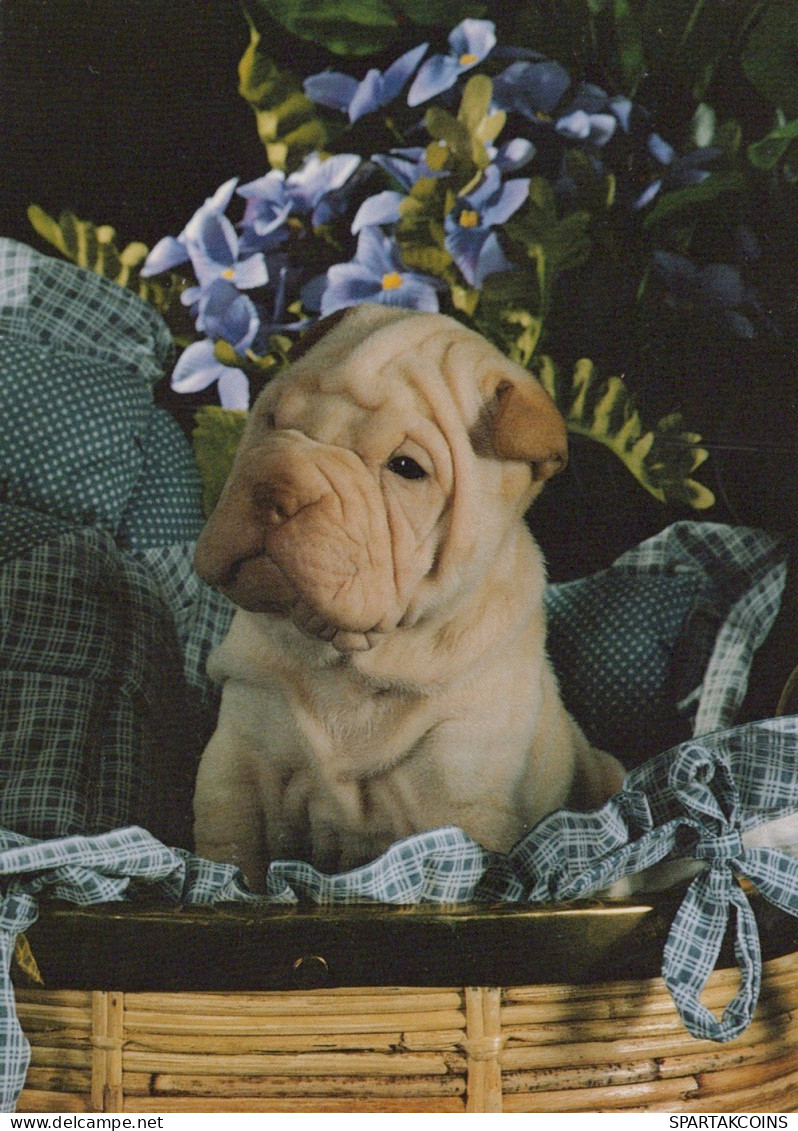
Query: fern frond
94, 247
661, 459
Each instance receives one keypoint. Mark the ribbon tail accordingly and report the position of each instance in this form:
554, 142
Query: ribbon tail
17, 911
692, 949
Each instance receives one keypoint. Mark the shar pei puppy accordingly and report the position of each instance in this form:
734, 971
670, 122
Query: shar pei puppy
385, 672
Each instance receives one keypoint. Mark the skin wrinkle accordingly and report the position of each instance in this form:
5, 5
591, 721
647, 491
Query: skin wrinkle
341, 526
361, 401
408, 365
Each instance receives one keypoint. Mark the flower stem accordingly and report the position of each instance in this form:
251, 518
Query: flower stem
690, 25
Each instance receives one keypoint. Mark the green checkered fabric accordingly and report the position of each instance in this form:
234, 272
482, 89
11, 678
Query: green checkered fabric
659, 646
82, 439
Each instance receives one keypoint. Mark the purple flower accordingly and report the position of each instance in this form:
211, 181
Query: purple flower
532, 89
470, 236
383, 208
223, 313
470, 42
579, 125
405, 166
170, 251
214, 248
716, 288
197, 368
687, 169
265, 213
377, 274
512, 155
342, 92
308, 188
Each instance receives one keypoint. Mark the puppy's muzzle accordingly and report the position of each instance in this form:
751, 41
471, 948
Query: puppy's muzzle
301, 529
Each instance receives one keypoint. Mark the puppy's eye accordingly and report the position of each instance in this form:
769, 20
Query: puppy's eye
406, 467
271, 420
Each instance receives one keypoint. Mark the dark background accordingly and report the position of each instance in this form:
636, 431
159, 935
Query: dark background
125, 112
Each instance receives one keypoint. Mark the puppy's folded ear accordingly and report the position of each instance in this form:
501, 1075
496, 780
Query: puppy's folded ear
528, 426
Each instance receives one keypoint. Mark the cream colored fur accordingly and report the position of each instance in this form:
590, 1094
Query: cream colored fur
386, 670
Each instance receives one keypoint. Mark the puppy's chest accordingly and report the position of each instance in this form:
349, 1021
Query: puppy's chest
351, 732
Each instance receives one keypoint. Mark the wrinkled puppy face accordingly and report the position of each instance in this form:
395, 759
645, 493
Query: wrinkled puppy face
341, 500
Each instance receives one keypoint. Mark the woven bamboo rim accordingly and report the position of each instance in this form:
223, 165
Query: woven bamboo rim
619, 1046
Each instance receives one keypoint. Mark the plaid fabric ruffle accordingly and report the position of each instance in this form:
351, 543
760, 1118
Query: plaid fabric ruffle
695, 802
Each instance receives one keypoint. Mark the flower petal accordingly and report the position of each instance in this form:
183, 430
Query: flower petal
383, 208
224, 313
722, 284
367, 96
531, 89
659, 149
251, 272
512, 195
414, 293
376, 253
214, 205
233, 389
214, 249
582, 126
465, 245
648, 194
438, 73
395, 76
491, 260
166, 254
318, 176
347, 285
196, 368
473, 37
331, 88
271, 187
514, 154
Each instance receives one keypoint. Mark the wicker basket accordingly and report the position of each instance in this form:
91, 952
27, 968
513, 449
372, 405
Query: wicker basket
557, 1048
595, 1043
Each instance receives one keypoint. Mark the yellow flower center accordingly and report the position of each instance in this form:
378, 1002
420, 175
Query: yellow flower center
228, 273
468, 60
469, 218
391, 281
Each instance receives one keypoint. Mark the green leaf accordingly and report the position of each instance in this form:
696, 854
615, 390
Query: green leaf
440, 13
420, 231
661, 459
217, 434
770, 56
629, 42
510, 311
695, 196
359, 27
552, 245
766, 153
347, 27
286, 119
594, 187
474, 113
